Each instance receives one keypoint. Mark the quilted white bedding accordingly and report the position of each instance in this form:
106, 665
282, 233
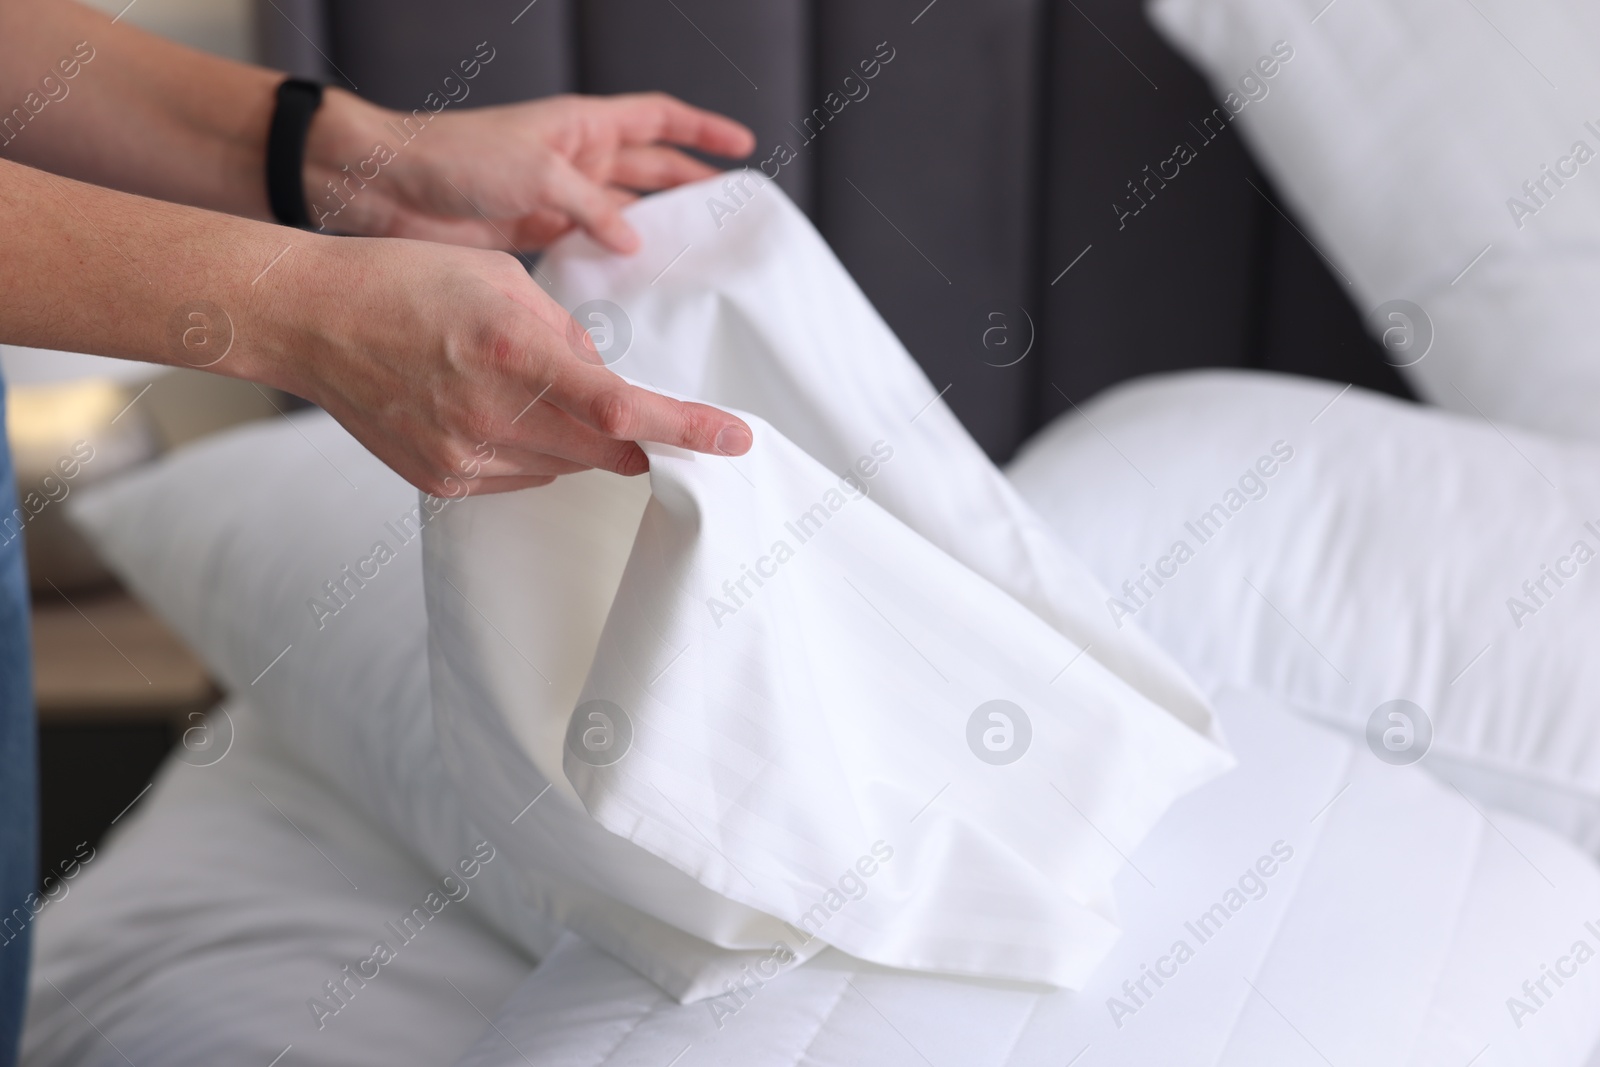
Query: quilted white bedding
1315, 906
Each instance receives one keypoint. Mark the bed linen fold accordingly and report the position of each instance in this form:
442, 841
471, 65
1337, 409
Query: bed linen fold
843, 690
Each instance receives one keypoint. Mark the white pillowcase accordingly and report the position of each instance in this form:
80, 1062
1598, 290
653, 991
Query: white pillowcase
1412, 140
1342, 550
802, 646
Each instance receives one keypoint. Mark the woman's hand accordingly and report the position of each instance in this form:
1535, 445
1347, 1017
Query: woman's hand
446, 361
513, 177
456, 370
449, 363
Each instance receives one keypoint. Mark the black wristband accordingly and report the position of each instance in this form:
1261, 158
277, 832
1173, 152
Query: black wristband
298, 101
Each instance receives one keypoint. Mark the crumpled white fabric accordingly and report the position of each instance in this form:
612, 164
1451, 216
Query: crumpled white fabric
745, 709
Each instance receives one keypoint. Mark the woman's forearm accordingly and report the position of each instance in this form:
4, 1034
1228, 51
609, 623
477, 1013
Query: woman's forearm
429, 353
434, 356
93, 270
107, 103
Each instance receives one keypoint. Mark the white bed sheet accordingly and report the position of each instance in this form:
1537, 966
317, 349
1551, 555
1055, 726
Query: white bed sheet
1394, 934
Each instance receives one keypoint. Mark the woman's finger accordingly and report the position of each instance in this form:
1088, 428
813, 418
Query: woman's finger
651, 167
516, 461
565, 371
644, 118
624, 412
589, 205
509, 484
547, 440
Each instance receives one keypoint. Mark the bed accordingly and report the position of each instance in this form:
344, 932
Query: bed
339, 808
1361, 888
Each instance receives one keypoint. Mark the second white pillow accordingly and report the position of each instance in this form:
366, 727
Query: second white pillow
1344, 550
1427, 151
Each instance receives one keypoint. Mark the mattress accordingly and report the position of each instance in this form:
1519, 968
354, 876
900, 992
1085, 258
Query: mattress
1331, 908
1374, 940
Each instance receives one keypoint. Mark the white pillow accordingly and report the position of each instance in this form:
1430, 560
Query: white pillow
1344, 550
251, 545
1411, 140
765, 742
230, 540
203, 932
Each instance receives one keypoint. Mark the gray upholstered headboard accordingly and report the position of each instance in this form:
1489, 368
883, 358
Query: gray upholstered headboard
969, 186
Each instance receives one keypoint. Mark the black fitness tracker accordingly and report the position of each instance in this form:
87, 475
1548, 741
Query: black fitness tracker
297, 102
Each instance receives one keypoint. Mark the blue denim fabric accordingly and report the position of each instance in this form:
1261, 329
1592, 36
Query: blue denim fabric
19, 841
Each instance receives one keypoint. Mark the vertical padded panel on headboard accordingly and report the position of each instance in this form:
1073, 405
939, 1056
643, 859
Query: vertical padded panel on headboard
747, 60
1172, 285
925, 188
399, 51
1309, 324
997, 146
292, 36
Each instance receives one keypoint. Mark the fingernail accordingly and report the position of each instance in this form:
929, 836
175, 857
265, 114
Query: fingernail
733, 441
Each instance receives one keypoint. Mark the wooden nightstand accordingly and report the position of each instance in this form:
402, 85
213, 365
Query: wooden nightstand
101, 657
115, 689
